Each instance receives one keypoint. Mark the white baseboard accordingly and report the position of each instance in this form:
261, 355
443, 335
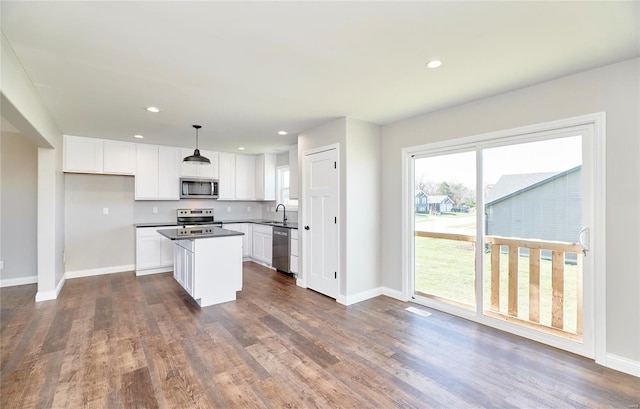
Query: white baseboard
390, 292
12, 282
622, 364
154, 271
51, 295
99, 271
361, 296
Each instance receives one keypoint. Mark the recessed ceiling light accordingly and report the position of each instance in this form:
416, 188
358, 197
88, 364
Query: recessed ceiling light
153, 109
434, 64
138, 136
282, 133
240, 148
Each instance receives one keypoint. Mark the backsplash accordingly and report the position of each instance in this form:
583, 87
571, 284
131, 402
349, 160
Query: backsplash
165, 211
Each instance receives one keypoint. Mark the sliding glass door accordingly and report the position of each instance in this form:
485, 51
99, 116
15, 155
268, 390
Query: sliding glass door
501, 230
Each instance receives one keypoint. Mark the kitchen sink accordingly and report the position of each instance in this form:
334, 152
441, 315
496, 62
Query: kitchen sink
273, 222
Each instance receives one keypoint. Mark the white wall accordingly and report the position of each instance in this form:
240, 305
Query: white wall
22, 106
362, 191
18, 197
95, 240
613, 89
359, 208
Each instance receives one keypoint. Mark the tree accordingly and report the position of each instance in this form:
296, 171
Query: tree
445, 190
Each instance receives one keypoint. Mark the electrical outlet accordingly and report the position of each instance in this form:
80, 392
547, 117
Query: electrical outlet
155, 210
105, 210
248, 208
1, 265
229, 209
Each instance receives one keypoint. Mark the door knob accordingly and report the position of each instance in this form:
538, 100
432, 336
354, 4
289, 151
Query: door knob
306, 227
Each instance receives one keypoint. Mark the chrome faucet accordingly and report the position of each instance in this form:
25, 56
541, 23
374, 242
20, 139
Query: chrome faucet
284, 216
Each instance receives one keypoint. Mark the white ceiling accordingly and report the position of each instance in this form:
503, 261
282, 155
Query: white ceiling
245, 70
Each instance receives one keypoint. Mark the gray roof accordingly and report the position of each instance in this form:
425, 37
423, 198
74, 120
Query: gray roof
509, 185
438, 199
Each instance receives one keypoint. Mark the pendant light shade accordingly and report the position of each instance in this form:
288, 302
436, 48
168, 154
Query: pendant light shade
196, 158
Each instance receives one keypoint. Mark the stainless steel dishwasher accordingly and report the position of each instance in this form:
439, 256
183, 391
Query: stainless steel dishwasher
280, 247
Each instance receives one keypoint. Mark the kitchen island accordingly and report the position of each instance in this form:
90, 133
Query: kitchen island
207, 262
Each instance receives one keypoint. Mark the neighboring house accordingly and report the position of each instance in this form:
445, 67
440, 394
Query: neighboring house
440, 204
544, 206
421, 201
432, 204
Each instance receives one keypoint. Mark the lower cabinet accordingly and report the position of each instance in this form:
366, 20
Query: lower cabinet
154, 253
246, 229
261, 242
183, 270
293, 251
209, 269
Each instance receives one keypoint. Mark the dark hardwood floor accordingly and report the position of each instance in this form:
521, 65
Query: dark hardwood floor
120, 341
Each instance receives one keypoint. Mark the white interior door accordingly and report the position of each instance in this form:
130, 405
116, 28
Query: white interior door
320, 222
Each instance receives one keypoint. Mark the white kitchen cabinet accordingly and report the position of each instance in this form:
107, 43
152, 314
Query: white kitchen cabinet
261, 246
100, 156
169, 173
189, 169
184, 268
236, 179
146, 183
157, 172
293, 251
246, 229
154, 253
265, 183
119, 157
293, 172
227, 176
82, 154
245, 177
209, 269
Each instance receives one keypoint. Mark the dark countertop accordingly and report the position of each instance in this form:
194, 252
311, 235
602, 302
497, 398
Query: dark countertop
155, 224
290, 225
198, 233
274, 223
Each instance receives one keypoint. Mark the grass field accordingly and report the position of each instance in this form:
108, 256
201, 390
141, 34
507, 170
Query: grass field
445, 268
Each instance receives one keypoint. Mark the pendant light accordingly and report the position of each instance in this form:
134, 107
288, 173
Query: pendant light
196, 158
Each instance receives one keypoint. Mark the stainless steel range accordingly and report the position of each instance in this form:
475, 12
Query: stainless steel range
196, 217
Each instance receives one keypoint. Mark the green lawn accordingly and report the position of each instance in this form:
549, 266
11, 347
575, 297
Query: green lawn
445, 268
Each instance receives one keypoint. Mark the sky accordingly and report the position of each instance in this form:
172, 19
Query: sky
544, 156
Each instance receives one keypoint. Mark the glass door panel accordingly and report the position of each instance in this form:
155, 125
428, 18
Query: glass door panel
532, 219
445, 228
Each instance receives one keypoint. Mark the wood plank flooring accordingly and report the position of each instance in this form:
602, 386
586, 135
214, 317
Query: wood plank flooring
120, 341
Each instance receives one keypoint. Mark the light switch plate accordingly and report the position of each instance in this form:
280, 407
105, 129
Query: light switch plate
105, 210
155, 210
1, 265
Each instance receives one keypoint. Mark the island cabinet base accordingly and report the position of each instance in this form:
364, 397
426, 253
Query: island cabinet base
209, 269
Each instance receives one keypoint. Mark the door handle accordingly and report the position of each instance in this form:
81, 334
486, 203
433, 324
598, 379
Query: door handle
306, 227
584, 244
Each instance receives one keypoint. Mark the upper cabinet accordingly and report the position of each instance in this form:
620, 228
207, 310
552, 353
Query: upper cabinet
158, 169
237, 178
265, 183
293, 172
157, 172
91, 155
227, 176
200, 171
245, 177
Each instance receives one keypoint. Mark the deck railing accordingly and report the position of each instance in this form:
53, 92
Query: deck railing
558, 252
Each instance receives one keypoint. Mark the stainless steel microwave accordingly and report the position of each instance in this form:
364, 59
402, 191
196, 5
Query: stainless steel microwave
194, 188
